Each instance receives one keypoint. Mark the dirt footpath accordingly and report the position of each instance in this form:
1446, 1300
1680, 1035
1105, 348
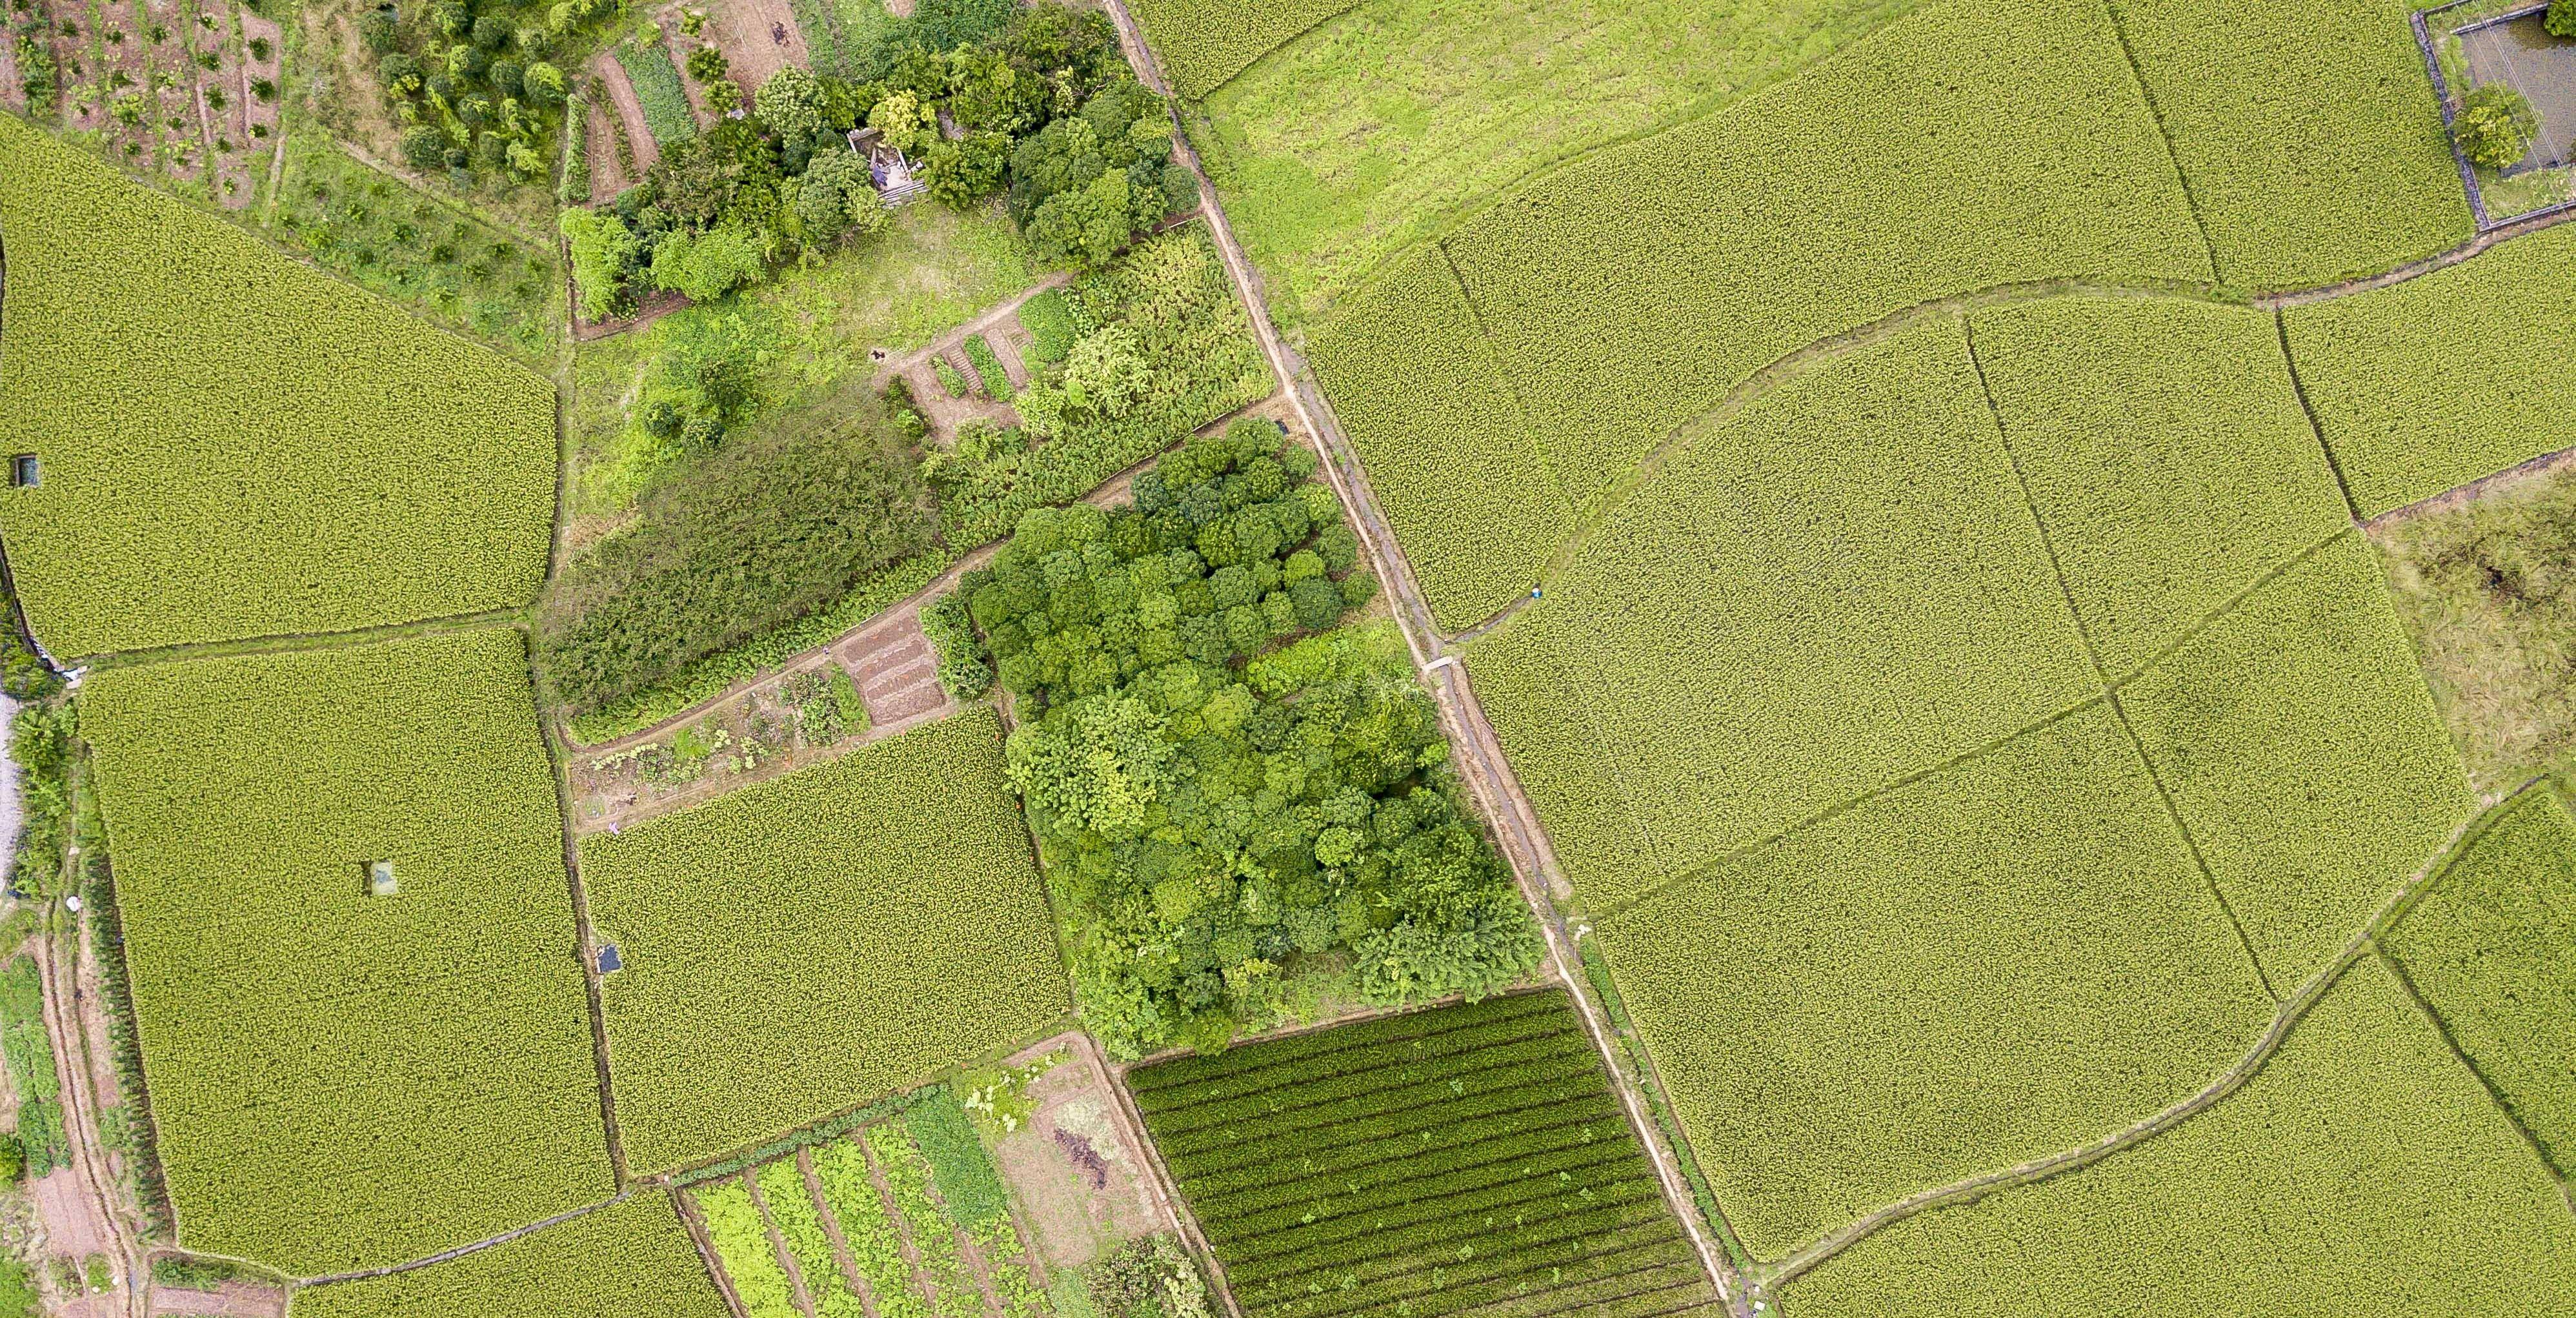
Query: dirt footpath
74, 1227
610, 77
235, 1299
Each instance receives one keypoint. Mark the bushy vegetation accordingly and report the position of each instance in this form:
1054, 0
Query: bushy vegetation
40, 744
777, 522
1833, 219
2495, 126
1040, 95
1452, 1158
2165, 453
2304, 755
1201, 43
659, 93
2437, 381
234, 445
1148, 1277
629, 1258
2362, 1170
1209, 829
940, 1262
323, 1061
2307, 134
2483, 589
42, 1144
1440, 429
803, 944
1160, 347
479, 86
1833, 1046
2487, 949
1711, 670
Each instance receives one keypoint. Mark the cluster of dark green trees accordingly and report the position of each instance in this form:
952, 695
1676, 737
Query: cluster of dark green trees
1216, 823
475, 82
1038, 97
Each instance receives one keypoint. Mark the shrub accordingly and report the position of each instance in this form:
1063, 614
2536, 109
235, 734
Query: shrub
604, 253
377, 31
706, 64
706, 266
791, 103
2495, 125
2561, 19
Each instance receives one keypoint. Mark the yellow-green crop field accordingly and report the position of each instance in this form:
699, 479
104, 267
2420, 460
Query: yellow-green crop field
1204, 42
235, 445
809, 943
631, 1257
342, 1080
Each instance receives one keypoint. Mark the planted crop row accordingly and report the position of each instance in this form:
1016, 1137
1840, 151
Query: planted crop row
1425, 1197
847, 964
876, 1246
1171, 1085
791, 1206
1476, 1188
1513, 1066
1373, 1065
1202, 43
2432, 383
233, 444
1676, 1287
2075, 182
2488, 949
1006, 1261
245, 795
953, 1293
2361, 1170
33, 1078
628, 1258
968, 1185
750, 1262
1407, 1129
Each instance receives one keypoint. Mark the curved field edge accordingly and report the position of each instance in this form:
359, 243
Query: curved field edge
271, 452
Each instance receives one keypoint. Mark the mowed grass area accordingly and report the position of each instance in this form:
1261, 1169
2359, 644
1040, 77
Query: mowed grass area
1464, 1159
632, 1257
235, 445
2362, 1170
1837, 588
1439, 427
1984, 966
2487, 949
2165, 453
808, 943
1376, 129
2303, 752
2455, 375
2308, 133
340, 1080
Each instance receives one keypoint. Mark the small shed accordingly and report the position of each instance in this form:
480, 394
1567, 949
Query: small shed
888, 168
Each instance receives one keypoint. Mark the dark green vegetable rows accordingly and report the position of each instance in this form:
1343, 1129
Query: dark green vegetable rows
1463, 1161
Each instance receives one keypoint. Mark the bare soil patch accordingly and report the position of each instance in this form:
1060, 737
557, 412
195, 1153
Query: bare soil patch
1080, 1183
894, 666
601, 146
758, 37
610, 77
13, 88
74, 1227
233, 1299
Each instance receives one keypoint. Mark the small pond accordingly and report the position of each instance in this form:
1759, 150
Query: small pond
2520, 52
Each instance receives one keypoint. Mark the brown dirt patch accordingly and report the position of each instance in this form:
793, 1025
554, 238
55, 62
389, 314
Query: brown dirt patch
233, 1299
1079, 1181
73, 1227
894, 667
758, 37
260, 115
13, 88
610, 77
610, 167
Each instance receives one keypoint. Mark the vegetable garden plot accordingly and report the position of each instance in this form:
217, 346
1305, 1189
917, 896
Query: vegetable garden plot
2165, 453
1878, 180
2308, 134
2488, 948
235, 445
1201, 43
344, 1081
812, 941
2361, 1171
1461, 1159
2001, 960
2303, 752
1440, 428
628, 1259
1836, 588
2430, 384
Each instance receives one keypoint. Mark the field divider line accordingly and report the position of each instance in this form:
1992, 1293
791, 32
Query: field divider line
2293, 1009
2316, 427
2164, 134
2531, 1141
290, 642
476, 1247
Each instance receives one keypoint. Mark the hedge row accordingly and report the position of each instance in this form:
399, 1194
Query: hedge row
1439, 1201
2304, 754
323, 1061
233, 444
2016, 954
2362, 1170
628, 1258
2308, 134
1879, 179
1202, 43
2165, 452
1438, 423
2435, 382
1839, 587
2488, 949
807, 943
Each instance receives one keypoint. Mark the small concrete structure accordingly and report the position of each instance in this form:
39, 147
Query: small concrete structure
380, 878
